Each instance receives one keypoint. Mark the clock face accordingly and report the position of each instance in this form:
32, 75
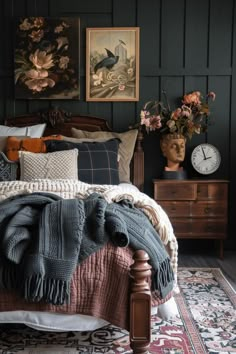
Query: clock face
205, 159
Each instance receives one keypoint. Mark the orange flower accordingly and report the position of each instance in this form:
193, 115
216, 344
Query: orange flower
192, 98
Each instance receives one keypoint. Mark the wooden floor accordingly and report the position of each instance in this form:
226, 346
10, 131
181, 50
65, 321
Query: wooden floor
210, 259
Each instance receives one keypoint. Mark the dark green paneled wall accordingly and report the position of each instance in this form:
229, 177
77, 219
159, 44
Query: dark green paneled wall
184, 45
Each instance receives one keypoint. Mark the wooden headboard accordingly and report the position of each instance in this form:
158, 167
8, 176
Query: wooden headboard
60, 122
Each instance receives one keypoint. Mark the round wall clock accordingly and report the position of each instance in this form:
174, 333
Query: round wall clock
205, 158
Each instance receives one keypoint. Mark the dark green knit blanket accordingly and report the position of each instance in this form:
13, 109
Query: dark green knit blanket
124, 218
43, 237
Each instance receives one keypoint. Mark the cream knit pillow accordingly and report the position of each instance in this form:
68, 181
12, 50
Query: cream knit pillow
54, 165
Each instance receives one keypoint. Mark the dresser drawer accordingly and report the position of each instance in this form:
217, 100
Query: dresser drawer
177, 209
212, 191
175, 191
195, 209
199, 227
198, 208
209, 209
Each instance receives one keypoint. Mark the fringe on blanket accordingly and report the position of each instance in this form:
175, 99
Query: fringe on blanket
52, 291
36, 287
162, 279
8, 277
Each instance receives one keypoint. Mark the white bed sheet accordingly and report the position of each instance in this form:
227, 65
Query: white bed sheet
55, 322
46, 321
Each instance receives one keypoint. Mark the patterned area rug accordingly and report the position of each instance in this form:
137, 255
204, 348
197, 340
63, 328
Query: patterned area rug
207, 324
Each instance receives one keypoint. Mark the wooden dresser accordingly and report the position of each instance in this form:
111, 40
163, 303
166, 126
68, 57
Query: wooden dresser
196, 208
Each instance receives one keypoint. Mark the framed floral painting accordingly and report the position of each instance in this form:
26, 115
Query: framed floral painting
112, 64
46, 61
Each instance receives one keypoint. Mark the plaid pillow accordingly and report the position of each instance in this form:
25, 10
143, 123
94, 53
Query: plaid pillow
97, 161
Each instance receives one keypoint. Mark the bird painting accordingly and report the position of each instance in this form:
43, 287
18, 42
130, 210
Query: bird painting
108, 62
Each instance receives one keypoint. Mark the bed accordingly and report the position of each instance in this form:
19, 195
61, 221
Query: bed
131, 268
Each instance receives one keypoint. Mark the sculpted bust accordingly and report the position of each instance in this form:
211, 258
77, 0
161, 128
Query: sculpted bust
173, 148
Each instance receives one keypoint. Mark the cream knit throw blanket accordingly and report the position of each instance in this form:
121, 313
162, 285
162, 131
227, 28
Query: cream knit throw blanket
73, 188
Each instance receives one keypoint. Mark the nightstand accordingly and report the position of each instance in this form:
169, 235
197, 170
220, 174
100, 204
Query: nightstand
198, 209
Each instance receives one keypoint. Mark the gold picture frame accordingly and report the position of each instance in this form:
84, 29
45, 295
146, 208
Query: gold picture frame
112, 64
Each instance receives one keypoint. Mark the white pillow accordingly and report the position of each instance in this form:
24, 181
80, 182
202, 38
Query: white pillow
52, 165
34, 131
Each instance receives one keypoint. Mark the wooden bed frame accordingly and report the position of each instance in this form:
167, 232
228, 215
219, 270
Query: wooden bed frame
60, 122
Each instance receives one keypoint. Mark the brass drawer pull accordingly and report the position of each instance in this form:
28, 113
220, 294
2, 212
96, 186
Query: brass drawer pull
207, 210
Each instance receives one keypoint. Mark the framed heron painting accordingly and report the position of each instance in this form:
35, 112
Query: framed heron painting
46, 61
112, 64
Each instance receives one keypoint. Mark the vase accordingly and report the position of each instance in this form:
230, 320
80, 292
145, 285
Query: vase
173, 149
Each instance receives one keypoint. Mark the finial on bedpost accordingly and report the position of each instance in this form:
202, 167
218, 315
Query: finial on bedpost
140, 303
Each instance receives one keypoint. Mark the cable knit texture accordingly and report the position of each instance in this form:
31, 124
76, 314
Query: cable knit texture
63, 164
42, 239
125, 219
44, 236
74, 189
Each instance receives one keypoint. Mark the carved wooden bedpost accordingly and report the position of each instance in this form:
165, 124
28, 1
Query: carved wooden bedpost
138, 162
140, 304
